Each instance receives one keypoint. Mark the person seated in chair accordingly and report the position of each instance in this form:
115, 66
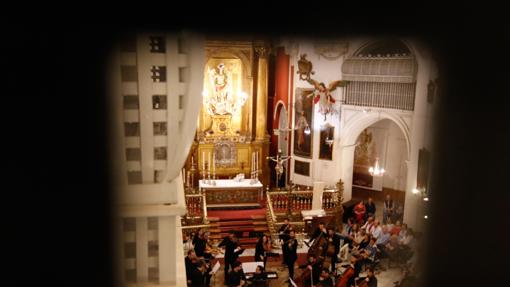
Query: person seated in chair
315, 267
236, 277
325, 279
370, 280
198, 276
369, 254
259, 278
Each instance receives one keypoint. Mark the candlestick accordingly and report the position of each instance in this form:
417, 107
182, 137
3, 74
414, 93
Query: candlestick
203, 160
214, 164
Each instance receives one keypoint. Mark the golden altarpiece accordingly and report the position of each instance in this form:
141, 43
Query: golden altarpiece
232, 123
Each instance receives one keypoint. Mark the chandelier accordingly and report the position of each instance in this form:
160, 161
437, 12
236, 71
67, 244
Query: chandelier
376, 170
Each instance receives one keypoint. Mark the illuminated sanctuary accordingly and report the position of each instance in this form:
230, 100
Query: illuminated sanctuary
218, 137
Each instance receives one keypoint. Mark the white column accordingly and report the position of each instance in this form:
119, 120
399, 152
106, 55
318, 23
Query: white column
318, 190
347, 170
145, 91
117, 108
412, 208
167, 252
120, 256
142, 250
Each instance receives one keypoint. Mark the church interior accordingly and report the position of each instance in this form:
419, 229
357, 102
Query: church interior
270, 147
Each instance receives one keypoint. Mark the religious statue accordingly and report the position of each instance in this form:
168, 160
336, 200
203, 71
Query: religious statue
221, 87
222, 101
323, 97
279, 159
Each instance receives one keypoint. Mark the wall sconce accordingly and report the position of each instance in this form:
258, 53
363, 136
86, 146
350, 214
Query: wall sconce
422, 192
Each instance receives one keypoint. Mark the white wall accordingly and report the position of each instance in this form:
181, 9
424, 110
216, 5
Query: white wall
326, 71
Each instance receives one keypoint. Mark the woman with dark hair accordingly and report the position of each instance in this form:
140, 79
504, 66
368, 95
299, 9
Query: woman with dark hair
262, 248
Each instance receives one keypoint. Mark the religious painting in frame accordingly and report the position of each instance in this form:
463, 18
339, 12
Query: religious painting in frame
303, 119
302, 168
364, 156
325, 149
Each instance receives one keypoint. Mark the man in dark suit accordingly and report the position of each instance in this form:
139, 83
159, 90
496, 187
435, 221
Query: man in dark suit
289, 250
315, 267
230, 243
236, 277
198, 276
334, 239
325, 279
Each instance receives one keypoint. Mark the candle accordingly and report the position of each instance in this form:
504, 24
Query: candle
209, 161
203, 160
214, 163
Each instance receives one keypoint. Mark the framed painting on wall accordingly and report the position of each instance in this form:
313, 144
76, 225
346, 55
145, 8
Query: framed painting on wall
302, 168
303, 122
326, 142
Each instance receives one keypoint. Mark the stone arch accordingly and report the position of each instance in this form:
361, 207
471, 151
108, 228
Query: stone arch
350, 132
361, 121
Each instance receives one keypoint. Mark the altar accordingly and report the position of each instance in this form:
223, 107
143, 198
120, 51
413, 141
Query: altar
227, 193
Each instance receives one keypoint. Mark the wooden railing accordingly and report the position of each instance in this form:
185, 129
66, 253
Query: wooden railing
329, 200
289, 204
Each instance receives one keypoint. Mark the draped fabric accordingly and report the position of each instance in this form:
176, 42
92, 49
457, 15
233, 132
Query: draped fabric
182, 138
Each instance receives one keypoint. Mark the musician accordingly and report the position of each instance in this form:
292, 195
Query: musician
314, 266
321, 230
344, 281
198, 276
236, 277
289, 250
230, 243
262, 249
202, 246
190, 262
369, 281
200, 243
334, 240
284, 230
325, 279
187, 242
259, 278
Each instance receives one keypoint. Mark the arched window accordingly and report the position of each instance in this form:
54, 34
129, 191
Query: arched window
384, 48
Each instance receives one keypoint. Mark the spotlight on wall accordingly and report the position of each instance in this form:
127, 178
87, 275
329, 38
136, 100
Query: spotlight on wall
422, 192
